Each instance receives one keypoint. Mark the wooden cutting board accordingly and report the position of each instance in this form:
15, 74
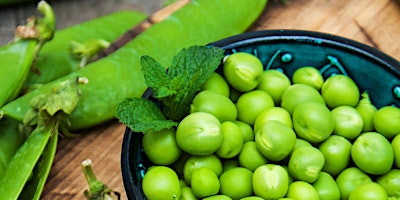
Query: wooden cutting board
373, 22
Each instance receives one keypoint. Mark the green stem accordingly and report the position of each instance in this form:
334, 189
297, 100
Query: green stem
97, 189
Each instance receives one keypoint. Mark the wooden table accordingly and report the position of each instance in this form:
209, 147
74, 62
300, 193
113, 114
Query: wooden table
373, 22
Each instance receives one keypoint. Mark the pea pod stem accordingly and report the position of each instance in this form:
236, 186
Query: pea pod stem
97, 189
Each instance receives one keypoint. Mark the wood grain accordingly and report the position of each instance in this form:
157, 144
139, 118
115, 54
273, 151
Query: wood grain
373, 22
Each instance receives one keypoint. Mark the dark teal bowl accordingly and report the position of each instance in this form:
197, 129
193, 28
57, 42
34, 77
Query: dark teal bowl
288, 50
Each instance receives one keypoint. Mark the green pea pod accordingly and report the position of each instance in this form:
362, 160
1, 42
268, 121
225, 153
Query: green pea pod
105, 28
50, 108
20, 168
15, 63
34, 187
118, 76
11, 138
17, 57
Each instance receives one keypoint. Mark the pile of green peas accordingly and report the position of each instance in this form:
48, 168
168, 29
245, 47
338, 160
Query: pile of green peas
255, 134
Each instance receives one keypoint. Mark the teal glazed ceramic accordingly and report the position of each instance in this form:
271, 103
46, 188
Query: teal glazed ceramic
287, 50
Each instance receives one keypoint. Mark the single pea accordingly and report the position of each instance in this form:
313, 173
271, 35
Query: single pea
194, 162
218, 84
236, 182
247, 130
372, 153
275, 83
232, 140
308, 75
273, 113
187, 193
326, 186
302, 190
340, 90
349, 179
306, 164
275, 140
250, 104
387, 121
390, 182
250, 157
337, 152
270, 181
243, 71
204, 182
197, 129
296, 94
368, 191
348, 122
161, 182
313, 122
214, 103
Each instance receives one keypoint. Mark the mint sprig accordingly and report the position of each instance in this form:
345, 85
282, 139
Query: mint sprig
175, 88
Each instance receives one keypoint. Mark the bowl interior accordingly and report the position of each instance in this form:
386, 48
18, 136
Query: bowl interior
287, 50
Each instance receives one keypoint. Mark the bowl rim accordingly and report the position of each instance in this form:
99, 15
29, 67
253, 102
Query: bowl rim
384, 59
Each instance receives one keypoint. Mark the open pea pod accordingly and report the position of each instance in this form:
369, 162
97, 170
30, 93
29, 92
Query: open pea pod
118, 76
55, 58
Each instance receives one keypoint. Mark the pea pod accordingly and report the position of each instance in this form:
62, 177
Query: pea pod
51, 109
17, 57
15, 62
34, 187
105, 28
11, 138
23, 163
118, 76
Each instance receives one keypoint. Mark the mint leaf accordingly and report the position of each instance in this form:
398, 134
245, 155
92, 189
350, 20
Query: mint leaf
178, 85
141, 115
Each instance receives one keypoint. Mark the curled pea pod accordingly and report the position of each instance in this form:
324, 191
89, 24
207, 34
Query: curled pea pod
17, 57
118, 76
106, 28
46, 115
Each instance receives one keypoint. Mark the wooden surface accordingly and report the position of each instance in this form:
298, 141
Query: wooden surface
373, 22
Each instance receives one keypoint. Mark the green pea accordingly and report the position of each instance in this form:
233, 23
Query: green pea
217, 83
337, 151
390, 182
326, 187
349, 179
306, 164
214, 103
302, 190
